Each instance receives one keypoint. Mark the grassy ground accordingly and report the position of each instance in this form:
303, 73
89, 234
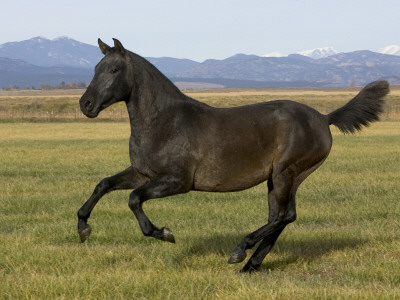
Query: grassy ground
344, 245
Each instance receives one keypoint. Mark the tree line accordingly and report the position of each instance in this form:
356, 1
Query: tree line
45, 86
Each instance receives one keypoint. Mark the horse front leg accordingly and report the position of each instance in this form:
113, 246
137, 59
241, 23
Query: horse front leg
157, 188
127, 179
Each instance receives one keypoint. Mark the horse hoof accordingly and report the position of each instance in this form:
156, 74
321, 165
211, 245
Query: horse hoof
84, 233
237, 257
248, 269
167, 235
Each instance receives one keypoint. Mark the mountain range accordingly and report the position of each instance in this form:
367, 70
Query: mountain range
62, 51
40, 60
314, 53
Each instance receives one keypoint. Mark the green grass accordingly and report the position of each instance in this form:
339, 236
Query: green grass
345, 243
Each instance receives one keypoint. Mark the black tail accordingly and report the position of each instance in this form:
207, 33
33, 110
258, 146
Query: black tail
362, 109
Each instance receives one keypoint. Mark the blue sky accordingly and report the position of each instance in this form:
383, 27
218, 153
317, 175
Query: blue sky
208, 28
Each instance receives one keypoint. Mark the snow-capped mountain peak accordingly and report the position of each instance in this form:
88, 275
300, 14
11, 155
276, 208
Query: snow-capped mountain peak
61, 38
392, 50
274, 54
319, 52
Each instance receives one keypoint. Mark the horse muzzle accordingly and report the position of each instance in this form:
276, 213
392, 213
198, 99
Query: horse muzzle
88, 107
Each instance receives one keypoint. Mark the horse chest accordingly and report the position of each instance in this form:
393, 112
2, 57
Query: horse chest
139, 157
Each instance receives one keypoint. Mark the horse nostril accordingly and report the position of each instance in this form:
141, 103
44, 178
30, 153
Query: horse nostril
89, 105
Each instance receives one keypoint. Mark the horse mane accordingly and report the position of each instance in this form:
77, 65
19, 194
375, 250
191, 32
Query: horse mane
154, 75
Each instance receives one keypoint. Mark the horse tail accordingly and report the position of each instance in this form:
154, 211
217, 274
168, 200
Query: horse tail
362, 109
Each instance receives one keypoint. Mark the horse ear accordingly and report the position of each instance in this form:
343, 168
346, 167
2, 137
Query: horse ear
118, 46
105, 49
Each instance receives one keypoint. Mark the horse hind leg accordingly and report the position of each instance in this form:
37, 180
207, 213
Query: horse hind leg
269, 241
282, 211
287, 210
266, 244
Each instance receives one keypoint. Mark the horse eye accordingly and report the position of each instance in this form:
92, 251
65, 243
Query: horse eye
113, 71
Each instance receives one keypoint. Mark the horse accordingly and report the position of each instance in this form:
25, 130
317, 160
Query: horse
178, 144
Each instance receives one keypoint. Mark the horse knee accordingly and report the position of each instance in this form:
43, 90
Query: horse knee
103, 187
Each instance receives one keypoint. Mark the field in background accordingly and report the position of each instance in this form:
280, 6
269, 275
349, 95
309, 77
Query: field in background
62, 105
345, 243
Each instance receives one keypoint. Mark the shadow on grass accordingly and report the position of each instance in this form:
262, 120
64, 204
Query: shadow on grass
307, 249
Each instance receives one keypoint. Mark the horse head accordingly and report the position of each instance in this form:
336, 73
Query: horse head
110, 83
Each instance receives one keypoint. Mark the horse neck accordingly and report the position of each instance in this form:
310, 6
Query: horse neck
152, 93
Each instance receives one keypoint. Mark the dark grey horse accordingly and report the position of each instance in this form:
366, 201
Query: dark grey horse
178, 144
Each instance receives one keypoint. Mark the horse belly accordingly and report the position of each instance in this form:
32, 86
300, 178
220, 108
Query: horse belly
231, 175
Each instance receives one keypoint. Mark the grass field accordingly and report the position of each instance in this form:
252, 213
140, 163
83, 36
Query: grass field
345, 243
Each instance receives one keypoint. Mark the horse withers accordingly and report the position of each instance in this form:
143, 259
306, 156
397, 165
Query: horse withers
178, 144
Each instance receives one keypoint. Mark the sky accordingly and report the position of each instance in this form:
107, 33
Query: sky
206, 29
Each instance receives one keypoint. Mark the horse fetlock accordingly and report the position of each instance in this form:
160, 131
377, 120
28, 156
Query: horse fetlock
163, 234
82, 216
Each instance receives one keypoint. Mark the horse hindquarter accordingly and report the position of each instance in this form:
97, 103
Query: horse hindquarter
238, 148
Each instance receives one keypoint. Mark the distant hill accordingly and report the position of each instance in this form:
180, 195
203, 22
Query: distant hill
62, 51
67, 52
359, 67
23, 74
171, 66
40, 60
